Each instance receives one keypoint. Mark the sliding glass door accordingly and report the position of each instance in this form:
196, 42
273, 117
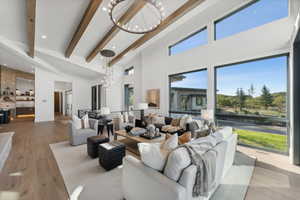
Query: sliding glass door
188, 93
252, 98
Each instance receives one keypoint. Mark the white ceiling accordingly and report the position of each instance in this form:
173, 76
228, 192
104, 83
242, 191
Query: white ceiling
58, 20
9, 59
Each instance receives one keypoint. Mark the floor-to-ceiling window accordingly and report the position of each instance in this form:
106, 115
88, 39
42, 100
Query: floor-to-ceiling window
188, 93
252, 97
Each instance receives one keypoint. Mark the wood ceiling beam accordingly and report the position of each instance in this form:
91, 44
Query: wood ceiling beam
86, 19
126, 17
31, 12
184, 9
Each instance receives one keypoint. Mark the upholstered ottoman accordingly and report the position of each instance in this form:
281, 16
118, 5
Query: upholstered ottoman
111, 154
93, 143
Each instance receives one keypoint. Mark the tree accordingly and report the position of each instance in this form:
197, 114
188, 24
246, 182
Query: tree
224, 101
251, 90
266, 97
241, 98
279, 101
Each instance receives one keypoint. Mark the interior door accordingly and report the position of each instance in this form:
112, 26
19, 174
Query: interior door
56, 102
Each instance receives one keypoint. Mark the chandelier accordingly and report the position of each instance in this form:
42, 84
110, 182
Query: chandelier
108, 79
146, 20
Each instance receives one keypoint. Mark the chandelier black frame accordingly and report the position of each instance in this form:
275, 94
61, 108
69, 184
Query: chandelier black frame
158, 6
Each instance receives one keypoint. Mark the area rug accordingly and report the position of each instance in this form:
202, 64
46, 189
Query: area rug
77, 169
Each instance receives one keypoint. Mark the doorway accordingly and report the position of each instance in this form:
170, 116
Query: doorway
62, 99
58, 103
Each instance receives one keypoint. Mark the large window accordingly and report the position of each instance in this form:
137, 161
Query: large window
188, 93
256, 14
252, 97
192, 41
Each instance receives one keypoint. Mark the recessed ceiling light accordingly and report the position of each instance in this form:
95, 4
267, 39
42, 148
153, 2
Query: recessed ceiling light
44, 36
4, 64
104, 9
113, 47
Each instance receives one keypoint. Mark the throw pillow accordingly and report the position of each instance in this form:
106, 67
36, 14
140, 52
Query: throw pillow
178, 160
85, 121
170, 128
193, 126
175, 122
155, 155
152, 155
201, 133
159, 120
76, 122
170, 143
182, 122
185, 138
201, 124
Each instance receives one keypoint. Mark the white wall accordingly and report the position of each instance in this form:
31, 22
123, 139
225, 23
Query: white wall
44, 93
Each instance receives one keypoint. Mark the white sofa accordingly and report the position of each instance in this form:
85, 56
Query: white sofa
142, 182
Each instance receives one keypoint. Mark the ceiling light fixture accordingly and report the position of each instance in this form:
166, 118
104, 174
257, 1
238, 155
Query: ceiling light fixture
146, 20
44, 37
109, 72
104, 9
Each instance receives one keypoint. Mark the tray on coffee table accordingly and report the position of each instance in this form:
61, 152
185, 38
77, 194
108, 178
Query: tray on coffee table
149, 137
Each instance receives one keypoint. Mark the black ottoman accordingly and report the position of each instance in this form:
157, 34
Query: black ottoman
93, 143
111, 154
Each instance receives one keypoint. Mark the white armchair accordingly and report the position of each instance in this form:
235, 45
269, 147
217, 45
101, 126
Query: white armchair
79, 136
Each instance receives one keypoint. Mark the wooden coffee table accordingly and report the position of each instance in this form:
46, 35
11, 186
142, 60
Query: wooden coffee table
137, 139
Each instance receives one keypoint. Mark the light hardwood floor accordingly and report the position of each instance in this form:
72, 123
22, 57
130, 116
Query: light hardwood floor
32, 173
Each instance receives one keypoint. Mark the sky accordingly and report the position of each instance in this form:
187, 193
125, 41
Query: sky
196, 40
197, 79
271, 72
257, 14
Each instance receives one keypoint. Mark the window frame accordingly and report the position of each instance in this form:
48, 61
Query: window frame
126, 71
169, 99
288, 98
234, 11
187, 37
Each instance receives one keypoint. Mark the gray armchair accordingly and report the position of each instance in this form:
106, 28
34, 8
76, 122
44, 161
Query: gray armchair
79, 136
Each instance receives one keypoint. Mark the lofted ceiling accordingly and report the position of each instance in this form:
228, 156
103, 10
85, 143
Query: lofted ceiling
56, 21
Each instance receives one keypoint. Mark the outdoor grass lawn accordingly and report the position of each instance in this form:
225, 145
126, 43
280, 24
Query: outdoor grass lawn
263, 140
